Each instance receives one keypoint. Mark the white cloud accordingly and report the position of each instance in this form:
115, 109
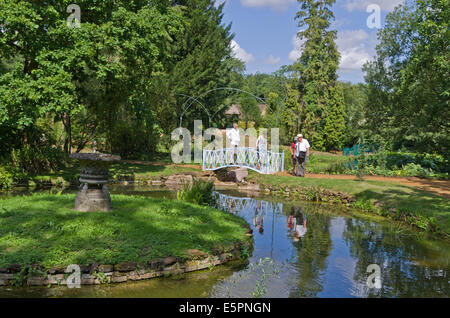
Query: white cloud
241, 54
355, 47
297, 48
278, 5
272, 60
361, 5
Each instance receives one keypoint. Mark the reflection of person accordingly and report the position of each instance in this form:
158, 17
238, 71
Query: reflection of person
302, 153
261, 148
258, 219
297, 223
232, 206
234, 136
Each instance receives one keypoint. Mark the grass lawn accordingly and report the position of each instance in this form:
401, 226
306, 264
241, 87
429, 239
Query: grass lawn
391, 194
44, 229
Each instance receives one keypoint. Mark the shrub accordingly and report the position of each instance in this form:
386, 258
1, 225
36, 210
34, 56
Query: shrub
398, 160
38, 160
199, 192
336, 168
6, 178
414, 170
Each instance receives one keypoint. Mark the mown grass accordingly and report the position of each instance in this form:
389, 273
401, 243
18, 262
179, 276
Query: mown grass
404, 199
44, 229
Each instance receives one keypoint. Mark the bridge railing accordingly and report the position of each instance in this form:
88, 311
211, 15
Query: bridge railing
265, 162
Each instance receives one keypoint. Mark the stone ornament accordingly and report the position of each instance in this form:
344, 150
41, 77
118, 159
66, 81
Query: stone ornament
93, 195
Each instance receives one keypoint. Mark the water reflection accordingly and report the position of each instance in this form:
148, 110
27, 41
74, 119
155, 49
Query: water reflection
322, 252
300, 250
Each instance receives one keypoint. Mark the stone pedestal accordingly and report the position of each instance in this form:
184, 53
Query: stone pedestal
93, 195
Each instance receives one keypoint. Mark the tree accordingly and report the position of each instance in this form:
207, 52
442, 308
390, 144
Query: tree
204, 61
249, 109
116, 79
407, 92
355, 101
323, 113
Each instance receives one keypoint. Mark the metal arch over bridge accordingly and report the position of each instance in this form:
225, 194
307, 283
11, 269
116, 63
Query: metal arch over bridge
264, 162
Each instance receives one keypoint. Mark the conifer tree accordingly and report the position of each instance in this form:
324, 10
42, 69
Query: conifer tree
324, 113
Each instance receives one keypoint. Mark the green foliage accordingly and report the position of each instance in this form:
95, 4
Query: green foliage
409, 164
199, 192
355, 100
361, 169
6, 178
407, 96
250, 110
116, 80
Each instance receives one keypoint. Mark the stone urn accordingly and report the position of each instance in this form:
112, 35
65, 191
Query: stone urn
93, 195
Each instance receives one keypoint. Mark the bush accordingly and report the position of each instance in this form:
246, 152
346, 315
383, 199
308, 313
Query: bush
336, 168
200, 192
414, 170
38, 160
398, 160
6, 178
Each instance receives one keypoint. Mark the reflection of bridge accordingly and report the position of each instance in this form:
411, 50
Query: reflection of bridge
265, 162
241, 205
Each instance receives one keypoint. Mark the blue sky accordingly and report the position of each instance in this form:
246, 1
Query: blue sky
265, 33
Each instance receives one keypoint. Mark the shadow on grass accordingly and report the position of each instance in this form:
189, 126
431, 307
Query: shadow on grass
414, 201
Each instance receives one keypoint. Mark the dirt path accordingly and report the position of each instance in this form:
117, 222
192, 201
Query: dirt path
439, 187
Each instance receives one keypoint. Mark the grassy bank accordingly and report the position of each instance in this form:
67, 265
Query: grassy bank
393, 200
44, 229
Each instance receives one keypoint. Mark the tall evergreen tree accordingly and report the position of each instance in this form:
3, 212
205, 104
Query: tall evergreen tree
324, 113
204, 59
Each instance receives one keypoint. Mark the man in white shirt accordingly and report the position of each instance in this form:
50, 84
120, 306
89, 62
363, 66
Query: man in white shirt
298, 223
234, 136
302, 152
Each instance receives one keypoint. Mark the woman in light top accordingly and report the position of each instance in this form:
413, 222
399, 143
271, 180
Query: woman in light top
261, 148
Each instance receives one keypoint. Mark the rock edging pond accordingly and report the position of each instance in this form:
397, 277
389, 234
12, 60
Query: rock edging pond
96, 274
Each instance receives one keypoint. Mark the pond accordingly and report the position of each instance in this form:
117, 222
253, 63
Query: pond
301, 249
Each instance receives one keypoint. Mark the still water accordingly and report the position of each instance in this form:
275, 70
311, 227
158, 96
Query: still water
300, 250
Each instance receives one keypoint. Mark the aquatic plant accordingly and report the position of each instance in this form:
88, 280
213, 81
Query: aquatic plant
199, 192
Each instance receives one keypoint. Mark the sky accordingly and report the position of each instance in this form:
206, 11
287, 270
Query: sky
265, 33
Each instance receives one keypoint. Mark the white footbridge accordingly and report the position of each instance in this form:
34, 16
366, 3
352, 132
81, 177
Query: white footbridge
264, 162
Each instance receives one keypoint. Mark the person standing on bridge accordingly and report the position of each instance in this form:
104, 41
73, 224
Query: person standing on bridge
234, 136
302, 153
261, 148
